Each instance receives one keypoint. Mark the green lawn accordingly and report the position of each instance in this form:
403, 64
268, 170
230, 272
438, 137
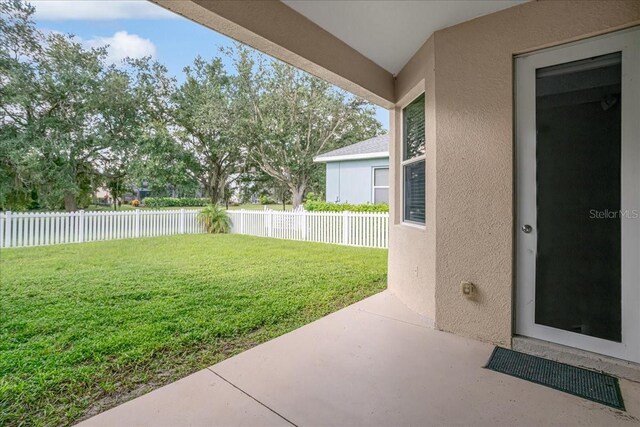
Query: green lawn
84, 327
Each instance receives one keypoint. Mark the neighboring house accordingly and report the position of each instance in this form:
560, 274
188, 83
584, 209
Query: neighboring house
103, 195
514, 137
358, 173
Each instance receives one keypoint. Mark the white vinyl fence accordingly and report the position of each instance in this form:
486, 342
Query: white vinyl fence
343, 228
52, 228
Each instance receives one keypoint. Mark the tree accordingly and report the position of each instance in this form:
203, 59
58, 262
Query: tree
133, 106
291, 116
162, 161
18, 39
206, 116
50, 92
69, 122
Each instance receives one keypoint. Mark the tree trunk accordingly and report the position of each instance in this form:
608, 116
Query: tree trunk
296, 196
70, 203
211, 190
214, 197
217, 190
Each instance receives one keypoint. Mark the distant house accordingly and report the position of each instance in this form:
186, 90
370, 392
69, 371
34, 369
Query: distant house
358, 173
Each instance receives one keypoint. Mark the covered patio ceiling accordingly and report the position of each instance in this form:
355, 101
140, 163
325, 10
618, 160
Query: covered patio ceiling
390, 32
357, 45
375, 363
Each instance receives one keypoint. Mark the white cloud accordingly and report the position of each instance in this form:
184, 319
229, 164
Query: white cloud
98, 10
122, 45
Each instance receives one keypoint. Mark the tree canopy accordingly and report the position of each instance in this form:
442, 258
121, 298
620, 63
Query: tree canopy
70, 122
292, 116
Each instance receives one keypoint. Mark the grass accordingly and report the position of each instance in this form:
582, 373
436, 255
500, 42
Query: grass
85, 327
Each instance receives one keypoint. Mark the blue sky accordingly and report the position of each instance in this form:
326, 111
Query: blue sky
139, 28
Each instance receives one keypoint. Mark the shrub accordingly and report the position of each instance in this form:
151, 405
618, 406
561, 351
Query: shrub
215, 219
320, 206
264, 199
135, 203
313, 197
174, 202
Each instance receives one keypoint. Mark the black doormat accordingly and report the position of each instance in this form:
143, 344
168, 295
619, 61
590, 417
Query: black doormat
584, 383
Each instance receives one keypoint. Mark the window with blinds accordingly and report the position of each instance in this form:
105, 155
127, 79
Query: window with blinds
413, 161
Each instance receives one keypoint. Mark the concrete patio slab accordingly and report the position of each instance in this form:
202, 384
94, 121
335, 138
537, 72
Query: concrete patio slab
386, 305
201, 399
375, 363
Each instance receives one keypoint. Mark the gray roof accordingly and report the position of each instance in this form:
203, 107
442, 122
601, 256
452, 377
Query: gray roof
375, 147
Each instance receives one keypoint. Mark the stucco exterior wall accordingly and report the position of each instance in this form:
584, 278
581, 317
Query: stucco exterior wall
468, 70
351, 181
412, 250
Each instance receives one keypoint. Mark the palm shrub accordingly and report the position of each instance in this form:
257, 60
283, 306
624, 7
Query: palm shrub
215, 219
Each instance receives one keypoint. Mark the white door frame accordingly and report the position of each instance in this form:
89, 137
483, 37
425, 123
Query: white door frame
627, 42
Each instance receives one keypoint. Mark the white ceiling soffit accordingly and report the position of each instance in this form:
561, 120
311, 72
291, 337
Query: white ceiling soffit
390, 32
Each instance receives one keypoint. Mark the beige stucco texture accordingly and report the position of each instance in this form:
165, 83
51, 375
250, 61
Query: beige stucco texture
412, 259
468, 74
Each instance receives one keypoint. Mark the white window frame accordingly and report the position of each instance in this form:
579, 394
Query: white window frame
374, 187
403, 163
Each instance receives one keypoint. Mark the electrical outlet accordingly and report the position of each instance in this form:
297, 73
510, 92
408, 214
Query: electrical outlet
468, 289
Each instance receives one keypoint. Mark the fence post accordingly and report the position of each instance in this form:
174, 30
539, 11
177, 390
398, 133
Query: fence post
270, 224
345, 228
241, 228
182, 219
303, 215
80, 236
136, 226
7, 229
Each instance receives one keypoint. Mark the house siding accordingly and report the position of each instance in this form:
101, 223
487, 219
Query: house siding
351, 181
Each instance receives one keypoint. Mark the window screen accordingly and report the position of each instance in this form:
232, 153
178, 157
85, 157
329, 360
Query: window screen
413, 125
381, 195
414, 205
381, 177
413, 164
381, 185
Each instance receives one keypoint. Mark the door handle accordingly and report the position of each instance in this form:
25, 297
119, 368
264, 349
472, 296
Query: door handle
527, 228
